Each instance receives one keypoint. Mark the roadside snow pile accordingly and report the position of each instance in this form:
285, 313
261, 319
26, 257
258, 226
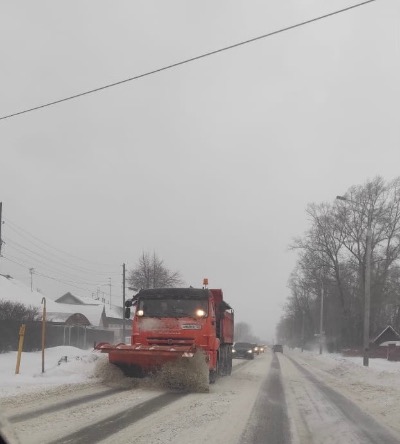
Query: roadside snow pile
67, 365
376, 389
379, 370
63, 365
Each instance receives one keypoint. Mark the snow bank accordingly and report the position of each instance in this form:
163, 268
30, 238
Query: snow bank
67, 365
376, 389
63, 365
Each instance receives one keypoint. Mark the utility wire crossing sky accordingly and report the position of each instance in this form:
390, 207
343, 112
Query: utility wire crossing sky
174, 65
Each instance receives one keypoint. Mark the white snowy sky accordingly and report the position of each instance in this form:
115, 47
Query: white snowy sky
211, 164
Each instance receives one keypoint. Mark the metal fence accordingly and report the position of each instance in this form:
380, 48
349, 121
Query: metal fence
56, 334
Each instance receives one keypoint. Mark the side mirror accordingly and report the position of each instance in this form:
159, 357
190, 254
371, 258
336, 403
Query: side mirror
127, 312
128, 303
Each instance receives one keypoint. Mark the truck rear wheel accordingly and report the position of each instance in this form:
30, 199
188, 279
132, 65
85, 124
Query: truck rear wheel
213, 374
225, 360
229, 361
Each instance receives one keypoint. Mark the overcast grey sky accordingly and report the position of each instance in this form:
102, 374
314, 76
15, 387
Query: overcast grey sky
210, 165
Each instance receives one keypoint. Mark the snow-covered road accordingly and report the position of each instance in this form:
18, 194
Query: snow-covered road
142, 413
299, 398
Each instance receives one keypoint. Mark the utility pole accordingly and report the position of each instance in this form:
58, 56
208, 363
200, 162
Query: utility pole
302, 329
321, 319
110, 289
367, 281
123, 303
367, 293
1, 223
31, 271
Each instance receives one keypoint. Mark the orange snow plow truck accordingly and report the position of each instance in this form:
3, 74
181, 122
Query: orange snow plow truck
173, 323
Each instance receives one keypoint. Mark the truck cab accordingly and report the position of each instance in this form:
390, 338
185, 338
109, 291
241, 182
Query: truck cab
180, 321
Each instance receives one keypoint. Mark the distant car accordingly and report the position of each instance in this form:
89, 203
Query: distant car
256, 350
277, 348
243, 350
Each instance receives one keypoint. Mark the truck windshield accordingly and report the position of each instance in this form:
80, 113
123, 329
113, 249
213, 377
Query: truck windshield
174, 308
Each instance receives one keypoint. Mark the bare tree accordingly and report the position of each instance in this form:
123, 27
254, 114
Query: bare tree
333, 255
16, 311
150, 272
243, 333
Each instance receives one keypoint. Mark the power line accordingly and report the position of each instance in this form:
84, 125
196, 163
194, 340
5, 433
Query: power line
64, 274
27, 263
62, 282
16, 228
183, 62
48, 277
55, 260
67, 279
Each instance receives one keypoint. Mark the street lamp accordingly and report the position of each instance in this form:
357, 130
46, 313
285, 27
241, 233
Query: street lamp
367, 286
321, 314
321, 319
43, 331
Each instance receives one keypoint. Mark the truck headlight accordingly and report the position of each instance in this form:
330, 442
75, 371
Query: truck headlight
140, 313
200, 313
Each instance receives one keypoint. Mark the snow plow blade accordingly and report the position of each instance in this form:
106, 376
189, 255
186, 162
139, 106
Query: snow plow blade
140, 360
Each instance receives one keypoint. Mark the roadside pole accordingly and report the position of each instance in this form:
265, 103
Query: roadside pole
321, 319
123, 303
1, 222
20, 347
43, 331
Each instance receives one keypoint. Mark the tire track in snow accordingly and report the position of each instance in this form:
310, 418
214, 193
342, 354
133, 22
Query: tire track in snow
109, 424
105, 428
63, 405
268, 420
368, 429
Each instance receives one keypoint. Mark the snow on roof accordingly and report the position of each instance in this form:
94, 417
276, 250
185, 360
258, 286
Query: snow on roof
15, 291
114, 311
92, 312
79, 299
386, 343
389, 327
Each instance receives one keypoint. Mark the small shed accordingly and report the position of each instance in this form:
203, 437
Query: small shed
388, 334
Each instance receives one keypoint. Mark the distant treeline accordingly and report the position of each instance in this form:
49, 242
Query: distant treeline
332, 259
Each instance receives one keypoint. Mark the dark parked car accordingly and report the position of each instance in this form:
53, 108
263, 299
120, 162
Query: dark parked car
243, 350
277, 348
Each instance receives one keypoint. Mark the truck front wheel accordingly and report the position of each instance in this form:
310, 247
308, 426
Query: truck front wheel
213, 376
